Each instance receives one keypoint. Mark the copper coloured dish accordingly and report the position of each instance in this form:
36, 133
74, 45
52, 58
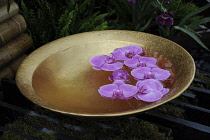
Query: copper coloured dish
59, 77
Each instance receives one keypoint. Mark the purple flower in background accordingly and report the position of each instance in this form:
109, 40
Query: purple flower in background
168, 1
142, 73
150, 90
126, 52
132, 1
118, 90
165, 18
119, 75
104, 62
139, 61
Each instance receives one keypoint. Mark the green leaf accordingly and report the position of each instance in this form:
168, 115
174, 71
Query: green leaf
191, 30
198, 22
146, 25
193, 35
91, 23
64, 22
155, 4
194, 13
203, 27
102, 26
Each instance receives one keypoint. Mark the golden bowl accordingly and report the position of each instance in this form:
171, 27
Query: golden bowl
59, 77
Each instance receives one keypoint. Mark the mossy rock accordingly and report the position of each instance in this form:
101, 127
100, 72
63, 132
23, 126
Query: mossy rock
129, 129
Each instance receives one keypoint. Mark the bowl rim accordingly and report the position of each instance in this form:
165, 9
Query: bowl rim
24, 86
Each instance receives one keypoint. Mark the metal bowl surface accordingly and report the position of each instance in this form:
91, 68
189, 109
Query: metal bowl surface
59, 77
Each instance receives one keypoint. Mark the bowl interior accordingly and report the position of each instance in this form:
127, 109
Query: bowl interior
59, 77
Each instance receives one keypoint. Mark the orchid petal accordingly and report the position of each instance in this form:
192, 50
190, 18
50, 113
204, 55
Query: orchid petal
148, 60
149, 97
160, 74
151, 84
169, 22
108, 90
110, 78
139, 72
165, 19
133, 48
137, 57
120, 75
161, 20
150, 90
112, 66
132, 1
123, 53
118, 82
98, 60
128, 90
119, 54
151, 66
96, 68
165, 91
132, 63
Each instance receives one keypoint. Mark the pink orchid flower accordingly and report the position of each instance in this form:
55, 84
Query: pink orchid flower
104, 62
118, 90
140, 61
150, 90
119, 75
127, 52
142, 73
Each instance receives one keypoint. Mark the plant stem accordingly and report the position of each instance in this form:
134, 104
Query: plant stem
161, 6
133, 14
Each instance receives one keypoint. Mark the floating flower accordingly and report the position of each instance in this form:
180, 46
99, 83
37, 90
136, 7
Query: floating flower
126, 52
119, 75
118, 90
165, 18
139, 61
104, 62
142, 73
132, 1
150, 90
143, 69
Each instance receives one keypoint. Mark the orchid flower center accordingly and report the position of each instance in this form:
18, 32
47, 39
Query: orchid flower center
141, 64
109, 60
165, 15
143, 90
129, 55
123, 76
117, 93
149, 75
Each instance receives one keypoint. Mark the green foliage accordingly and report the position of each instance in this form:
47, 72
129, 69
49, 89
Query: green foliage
186, 20
138, 17
47, 21
192, 34
195, 23
170, 109
135, 129
11, 136
138, 130
193, 13
90, 23
27, 130
141, 16
180, 9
